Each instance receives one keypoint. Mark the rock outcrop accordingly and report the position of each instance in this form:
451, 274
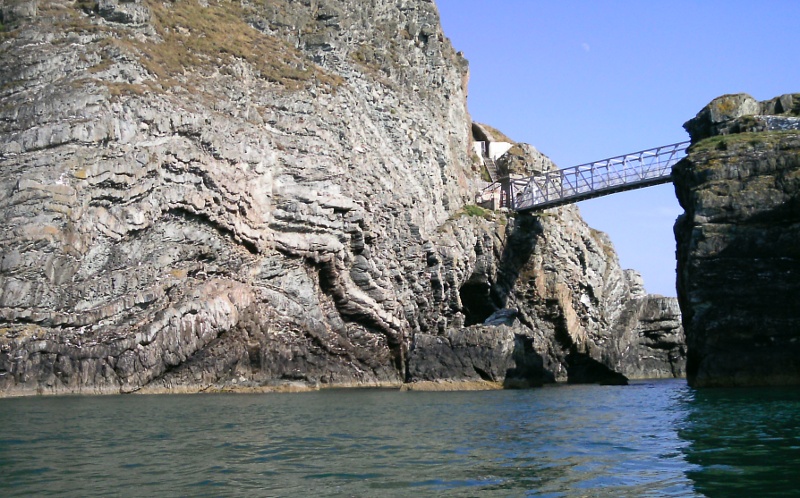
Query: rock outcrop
738, 259
212, 194
587, 313
741, 113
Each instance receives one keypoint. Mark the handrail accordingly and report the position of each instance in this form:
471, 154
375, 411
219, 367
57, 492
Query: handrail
607, 176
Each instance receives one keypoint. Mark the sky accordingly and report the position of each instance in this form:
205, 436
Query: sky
583, 81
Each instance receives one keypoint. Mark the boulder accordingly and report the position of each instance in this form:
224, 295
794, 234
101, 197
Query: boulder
494, 354
741, 113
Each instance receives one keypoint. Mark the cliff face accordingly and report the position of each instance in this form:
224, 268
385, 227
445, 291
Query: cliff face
738, 257
587, 313
203, 195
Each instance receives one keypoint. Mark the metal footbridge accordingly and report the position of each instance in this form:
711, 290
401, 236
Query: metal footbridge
616, 174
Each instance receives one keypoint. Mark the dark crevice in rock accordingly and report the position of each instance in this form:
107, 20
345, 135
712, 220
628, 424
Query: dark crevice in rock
583, 369
477, 301
483, 374
185, 214
529, 370
519, 246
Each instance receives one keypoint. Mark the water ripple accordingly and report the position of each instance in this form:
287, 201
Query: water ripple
648, 439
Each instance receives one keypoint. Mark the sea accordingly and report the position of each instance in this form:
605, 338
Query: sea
648, 439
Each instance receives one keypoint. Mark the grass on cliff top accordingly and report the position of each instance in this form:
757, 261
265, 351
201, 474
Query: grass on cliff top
497, 135
197, 38
725, 142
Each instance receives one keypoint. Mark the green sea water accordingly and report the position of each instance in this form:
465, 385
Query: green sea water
649, 439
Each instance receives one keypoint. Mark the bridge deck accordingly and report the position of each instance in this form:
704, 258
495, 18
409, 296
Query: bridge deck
616, 174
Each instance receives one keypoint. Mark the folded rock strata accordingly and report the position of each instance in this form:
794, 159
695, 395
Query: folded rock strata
203, 195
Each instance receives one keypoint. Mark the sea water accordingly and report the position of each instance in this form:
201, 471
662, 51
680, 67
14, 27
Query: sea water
658, 438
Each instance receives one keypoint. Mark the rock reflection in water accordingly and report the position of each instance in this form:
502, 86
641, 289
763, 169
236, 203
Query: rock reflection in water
743, 442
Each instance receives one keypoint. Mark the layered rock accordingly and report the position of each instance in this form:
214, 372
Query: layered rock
654, 345
210, 194
593, 320
557, 284
738, 259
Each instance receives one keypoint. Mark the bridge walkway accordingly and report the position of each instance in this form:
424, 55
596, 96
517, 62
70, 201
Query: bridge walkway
608, 176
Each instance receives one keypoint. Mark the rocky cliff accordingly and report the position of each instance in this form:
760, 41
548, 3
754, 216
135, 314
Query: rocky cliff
738, 257
212, 194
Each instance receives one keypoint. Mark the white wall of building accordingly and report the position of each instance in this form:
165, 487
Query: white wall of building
496, 149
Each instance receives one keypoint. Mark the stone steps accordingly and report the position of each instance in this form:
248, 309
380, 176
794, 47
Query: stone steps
491, 167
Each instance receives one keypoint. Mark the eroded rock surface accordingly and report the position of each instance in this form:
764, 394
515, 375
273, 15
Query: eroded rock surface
738, 258
210, 194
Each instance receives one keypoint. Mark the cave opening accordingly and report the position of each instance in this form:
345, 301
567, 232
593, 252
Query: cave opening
477, 302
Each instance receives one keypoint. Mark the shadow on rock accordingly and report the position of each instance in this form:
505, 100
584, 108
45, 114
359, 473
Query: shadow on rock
583, 369
519, 246
481, 353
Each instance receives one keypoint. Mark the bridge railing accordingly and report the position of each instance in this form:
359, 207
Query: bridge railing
615, 174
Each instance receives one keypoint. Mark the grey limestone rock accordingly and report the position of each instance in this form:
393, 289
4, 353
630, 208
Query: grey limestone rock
494, 353
740, 113
184, 209
125, 12
654, 345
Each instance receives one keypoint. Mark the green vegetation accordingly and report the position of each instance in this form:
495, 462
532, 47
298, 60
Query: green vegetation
485, 176
477, 211
473, 210
197, 37
202, 39
476, 165
725, 142
5, 30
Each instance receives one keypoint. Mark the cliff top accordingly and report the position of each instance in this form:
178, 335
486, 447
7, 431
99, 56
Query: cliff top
737, 113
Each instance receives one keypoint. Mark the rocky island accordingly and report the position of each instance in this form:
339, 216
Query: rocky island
212, 195
739, 242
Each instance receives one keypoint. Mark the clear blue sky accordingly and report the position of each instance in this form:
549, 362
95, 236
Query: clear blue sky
583, 81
